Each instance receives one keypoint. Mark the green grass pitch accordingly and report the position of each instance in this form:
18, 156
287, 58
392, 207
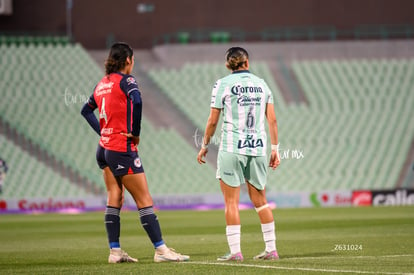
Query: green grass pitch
371, 240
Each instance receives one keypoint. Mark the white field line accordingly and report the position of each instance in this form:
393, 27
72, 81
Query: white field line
349, 257
311, 269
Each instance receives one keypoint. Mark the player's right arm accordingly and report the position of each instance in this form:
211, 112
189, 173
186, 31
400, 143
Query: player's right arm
87, 113
208, 133
216, 105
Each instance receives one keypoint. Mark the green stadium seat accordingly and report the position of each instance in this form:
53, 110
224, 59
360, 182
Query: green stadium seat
358, 110
33, 120
349, 104
27, 177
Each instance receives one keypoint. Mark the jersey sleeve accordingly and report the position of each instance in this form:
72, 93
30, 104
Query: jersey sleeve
128, 84
87, 113
92, 103
216, 96
137, 112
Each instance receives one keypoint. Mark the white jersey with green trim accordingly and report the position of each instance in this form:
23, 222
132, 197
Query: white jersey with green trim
242, 97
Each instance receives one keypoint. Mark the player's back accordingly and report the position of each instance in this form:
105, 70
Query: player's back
115, 112
244, 97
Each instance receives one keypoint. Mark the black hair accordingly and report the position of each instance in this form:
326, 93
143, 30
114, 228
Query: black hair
236, 57
117, 57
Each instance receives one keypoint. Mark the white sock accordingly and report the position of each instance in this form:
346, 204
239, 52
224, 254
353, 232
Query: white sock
269, 236
162, 248
115, 249
233, 238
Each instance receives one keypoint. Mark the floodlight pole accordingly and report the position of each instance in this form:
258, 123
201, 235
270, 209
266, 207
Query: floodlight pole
69, 5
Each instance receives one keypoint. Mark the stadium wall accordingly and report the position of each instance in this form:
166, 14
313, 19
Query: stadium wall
356, 198
96, 22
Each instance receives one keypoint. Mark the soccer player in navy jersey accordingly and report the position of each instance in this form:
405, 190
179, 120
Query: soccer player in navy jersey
120, 107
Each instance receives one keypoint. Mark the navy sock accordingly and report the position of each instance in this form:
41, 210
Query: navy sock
113, 226
151, 225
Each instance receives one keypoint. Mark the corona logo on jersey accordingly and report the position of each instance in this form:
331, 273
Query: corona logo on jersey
237, 90
245, 100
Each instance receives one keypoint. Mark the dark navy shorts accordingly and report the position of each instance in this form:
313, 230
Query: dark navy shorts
120, 163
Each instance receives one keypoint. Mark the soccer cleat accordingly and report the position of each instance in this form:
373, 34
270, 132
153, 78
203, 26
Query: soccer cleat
169, 255
267, 256
120, 256
238, 257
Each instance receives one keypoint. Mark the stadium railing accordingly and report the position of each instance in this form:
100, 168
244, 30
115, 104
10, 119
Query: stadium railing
287, 33
33, 40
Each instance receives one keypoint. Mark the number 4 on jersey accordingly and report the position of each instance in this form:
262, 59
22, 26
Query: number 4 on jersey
102, 113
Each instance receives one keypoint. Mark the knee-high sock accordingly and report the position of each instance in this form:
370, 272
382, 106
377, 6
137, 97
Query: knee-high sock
151, 225
269, 236
113, 226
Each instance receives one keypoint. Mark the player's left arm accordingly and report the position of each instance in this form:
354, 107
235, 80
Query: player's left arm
136, 115
130, 87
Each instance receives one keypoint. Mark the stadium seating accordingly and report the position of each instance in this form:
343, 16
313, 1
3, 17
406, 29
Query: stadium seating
355, 132
45, 87
357, 129
190, 87
29, 178
171, 166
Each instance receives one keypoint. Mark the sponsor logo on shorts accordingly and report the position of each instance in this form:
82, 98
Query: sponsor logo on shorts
228, 173
137, 162
120, 167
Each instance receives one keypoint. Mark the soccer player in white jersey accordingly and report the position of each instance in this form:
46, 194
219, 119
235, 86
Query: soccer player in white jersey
245, 102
